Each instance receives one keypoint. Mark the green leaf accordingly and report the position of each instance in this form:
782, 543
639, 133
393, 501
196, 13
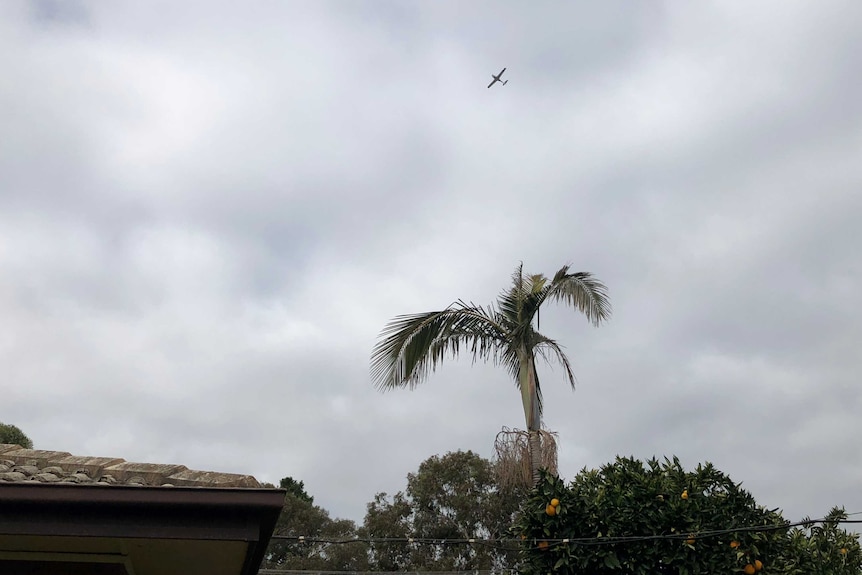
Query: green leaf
611, 561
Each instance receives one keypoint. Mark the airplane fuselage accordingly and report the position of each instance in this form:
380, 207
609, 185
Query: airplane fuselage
497, 78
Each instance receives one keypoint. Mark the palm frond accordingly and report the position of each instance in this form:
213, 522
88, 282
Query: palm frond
411, 346
535, 296
509, 358
582, 291
520, 302
550, 350
511, 301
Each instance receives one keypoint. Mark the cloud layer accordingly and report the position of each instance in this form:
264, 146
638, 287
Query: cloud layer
208, 212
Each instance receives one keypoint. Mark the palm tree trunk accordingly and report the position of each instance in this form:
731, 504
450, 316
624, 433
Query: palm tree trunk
535, 441
530, 398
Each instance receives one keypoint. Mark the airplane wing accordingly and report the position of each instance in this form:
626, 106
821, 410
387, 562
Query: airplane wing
497, 78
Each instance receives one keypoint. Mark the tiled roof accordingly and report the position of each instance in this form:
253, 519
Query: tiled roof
19, 465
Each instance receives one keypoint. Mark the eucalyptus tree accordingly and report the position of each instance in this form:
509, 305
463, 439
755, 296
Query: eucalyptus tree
506, 333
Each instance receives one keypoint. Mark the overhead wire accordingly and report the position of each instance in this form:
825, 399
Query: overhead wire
502, 543
411, 572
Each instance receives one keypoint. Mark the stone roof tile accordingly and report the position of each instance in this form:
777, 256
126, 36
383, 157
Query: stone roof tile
18, 464
142, 473
92, 466
192, 477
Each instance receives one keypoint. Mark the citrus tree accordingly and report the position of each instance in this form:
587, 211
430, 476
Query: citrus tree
506, 333
824, 548
631, 517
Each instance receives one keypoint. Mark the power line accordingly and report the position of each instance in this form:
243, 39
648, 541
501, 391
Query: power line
412, 572
501, 543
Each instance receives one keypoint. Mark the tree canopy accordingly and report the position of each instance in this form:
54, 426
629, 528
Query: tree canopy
13, 435
455, 496
295, 488
628, 516
301, 518
655, 517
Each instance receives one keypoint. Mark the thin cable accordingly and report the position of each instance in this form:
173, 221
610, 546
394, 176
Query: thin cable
411, 572
583, 541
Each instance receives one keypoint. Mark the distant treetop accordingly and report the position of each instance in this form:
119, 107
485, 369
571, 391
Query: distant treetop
296, 488
12, 435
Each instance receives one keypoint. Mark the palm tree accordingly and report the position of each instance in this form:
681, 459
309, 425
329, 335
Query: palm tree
411, 346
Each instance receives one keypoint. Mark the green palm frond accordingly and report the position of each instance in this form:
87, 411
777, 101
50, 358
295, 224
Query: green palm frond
552, 352
511, 301
509, 358
582, 291
413, 345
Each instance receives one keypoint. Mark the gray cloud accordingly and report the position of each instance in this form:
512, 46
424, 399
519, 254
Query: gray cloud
208, 212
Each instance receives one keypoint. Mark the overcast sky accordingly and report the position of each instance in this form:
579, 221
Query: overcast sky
209, 210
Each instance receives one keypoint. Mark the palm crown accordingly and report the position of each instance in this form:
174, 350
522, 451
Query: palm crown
411, 346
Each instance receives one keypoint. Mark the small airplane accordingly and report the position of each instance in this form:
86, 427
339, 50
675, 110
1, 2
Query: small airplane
497, 78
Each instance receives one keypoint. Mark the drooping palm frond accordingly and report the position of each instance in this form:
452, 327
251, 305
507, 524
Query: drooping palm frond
582, 291
549, 350
413, 345
509, 358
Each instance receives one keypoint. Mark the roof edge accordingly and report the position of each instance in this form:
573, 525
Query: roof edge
35, 492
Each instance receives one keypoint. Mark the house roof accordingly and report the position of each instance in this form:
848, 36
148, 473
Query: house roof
28, 465
149, 519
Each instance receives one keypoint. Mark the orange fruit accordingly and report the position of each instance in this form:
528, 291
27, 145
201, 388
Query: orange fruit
684, 494
758, 565
749, 569
555, 502
734, 544
690, 540
551, 510
843, 551
543, 545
